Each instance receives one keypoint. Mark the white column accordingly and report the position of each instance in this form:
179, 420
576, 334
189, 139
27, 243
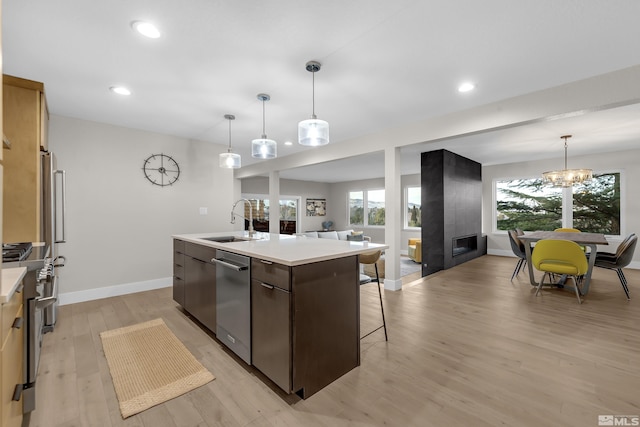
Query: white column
274, 202
392, 218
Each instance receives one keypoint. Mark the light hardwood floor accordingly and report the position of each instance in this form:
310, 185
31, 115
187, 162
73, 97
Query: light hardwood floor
466, 347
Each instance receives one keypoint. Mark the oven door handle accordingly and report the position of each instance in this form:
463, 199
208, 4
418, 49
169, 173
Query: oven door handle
44, 302
59, 261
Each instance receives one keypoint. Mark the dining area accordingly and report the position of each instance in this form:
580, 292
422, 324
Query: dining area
567, 257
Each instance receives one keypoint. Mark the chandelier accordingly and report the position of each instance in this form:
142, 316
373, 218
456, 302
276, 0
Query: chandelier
567, 177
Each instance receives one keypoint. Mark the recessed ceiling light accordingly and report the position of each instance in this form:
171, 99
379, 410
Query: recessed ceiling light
146, 29
120, 90
288, 143
466, 87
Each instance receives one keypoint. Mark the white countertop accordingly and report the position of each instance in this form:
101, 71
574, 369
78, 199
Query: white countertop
285, 249
10, 279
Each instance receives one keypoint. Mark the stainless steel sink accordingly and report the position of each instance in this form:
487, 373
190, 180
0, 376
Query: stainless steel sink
225, 239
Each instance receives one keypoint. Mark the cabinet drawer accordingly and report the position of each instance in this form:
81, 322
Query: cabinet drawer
203, 253
178, 269
10, 312
11, 373
178, 246
270, 272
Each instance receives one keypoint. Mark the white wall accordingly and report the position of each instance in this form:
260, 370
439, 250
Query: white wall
288, 187
625, 161
119, 225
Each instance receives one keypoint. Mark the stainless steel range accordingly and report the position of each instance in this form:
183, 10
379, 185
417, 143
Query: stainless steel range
39, 299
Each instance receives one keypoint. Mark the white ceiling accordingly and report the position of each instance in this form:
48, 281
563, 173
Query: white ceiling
385, 64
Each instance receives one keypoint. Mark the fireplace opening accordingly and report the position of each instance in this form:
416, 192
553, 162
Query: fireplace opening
464, 244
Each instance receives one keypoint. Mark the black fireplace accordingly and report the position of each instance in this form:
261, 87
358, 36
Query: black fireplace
451, 211
462, 245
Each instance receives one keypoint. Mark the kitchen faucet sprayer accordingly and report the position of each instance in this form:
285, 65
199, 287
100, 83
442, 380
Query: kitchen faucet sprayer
234, 214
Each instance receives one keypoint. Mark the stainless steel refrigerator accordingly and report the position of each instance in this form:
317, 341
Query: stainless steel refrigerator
54, 205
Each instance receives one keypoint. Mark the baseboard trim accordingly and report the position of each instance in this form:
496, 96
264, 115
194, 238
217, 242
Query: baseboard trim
392, 285
113, 291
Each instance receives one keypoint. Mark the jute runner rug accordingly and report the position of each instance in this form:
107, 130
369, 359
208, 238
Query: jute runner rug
149, 365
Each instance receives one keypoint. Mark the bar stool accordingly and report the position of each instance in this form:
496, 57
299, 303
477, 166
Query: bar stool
372, 258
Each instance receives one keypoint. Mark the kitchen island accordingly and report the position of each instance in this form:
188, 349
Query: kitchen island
302, 301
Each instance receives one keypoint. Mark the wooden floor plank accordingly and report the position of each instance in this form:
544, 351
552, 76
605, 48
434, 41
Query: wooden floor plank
466, 347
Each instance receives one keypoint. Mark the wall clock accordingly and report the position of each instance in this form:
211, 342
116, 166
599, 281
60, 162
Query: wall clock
161, 169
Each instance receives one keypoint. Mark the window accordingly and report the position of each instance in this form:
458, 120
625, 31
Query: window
596, 204
356, 208
531, 205
413, 208
366, 207
288, 213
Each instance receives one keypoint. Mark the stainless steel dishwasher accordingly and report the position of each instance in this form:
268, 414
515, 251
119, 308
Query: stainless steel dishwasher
233, 302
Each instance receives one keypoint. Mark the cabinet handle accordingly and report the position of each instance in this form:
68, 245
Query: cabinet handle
17, 323
264, 285
17, 392
20, 288
264, 261
178, 265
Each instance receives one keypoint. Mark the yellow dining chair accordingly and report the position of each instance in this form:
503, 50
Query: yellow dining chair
571, 230
560, 257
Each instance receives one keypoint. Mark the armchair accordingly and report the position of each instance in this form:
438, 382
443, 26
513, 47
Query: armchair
415, 250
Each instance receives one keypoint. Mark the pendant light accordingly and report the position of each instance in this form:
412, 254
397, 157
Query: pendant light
263, 148
229, 160
313, 132
567, 177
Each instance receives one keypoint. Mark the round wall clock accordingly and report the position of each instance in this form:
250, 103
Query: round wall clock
161, 169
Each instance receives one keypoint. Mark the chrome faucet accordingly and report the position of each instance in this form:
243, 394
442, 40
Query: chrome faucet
252, 232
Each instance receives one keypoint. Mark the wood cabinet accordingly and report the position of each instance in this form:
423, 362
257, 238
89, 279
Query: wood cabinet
197, 290
11, 356
25, 124
178, 271
271, 350
305, 322
305, 319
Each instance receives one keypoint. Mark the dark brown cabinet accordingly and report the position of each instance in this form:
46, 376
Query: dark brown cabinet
305, 320
196, 289
178, 271
271, 349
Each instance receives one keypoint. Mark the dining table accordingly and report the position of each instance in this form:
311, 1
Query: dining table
590, 240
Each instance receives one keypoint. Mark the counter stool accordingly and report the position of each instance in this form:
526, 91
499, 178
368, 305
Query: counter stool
371, 258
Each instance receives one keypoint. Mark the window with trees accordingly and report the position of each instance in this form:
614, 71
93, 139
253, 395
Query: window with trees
530, 204
413, 207
288, 213
366, 208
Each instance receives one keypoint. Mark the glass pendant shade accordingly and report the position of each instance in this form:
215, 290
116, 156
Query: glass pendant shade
264, 148
229, 160
567, 177
313, 132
